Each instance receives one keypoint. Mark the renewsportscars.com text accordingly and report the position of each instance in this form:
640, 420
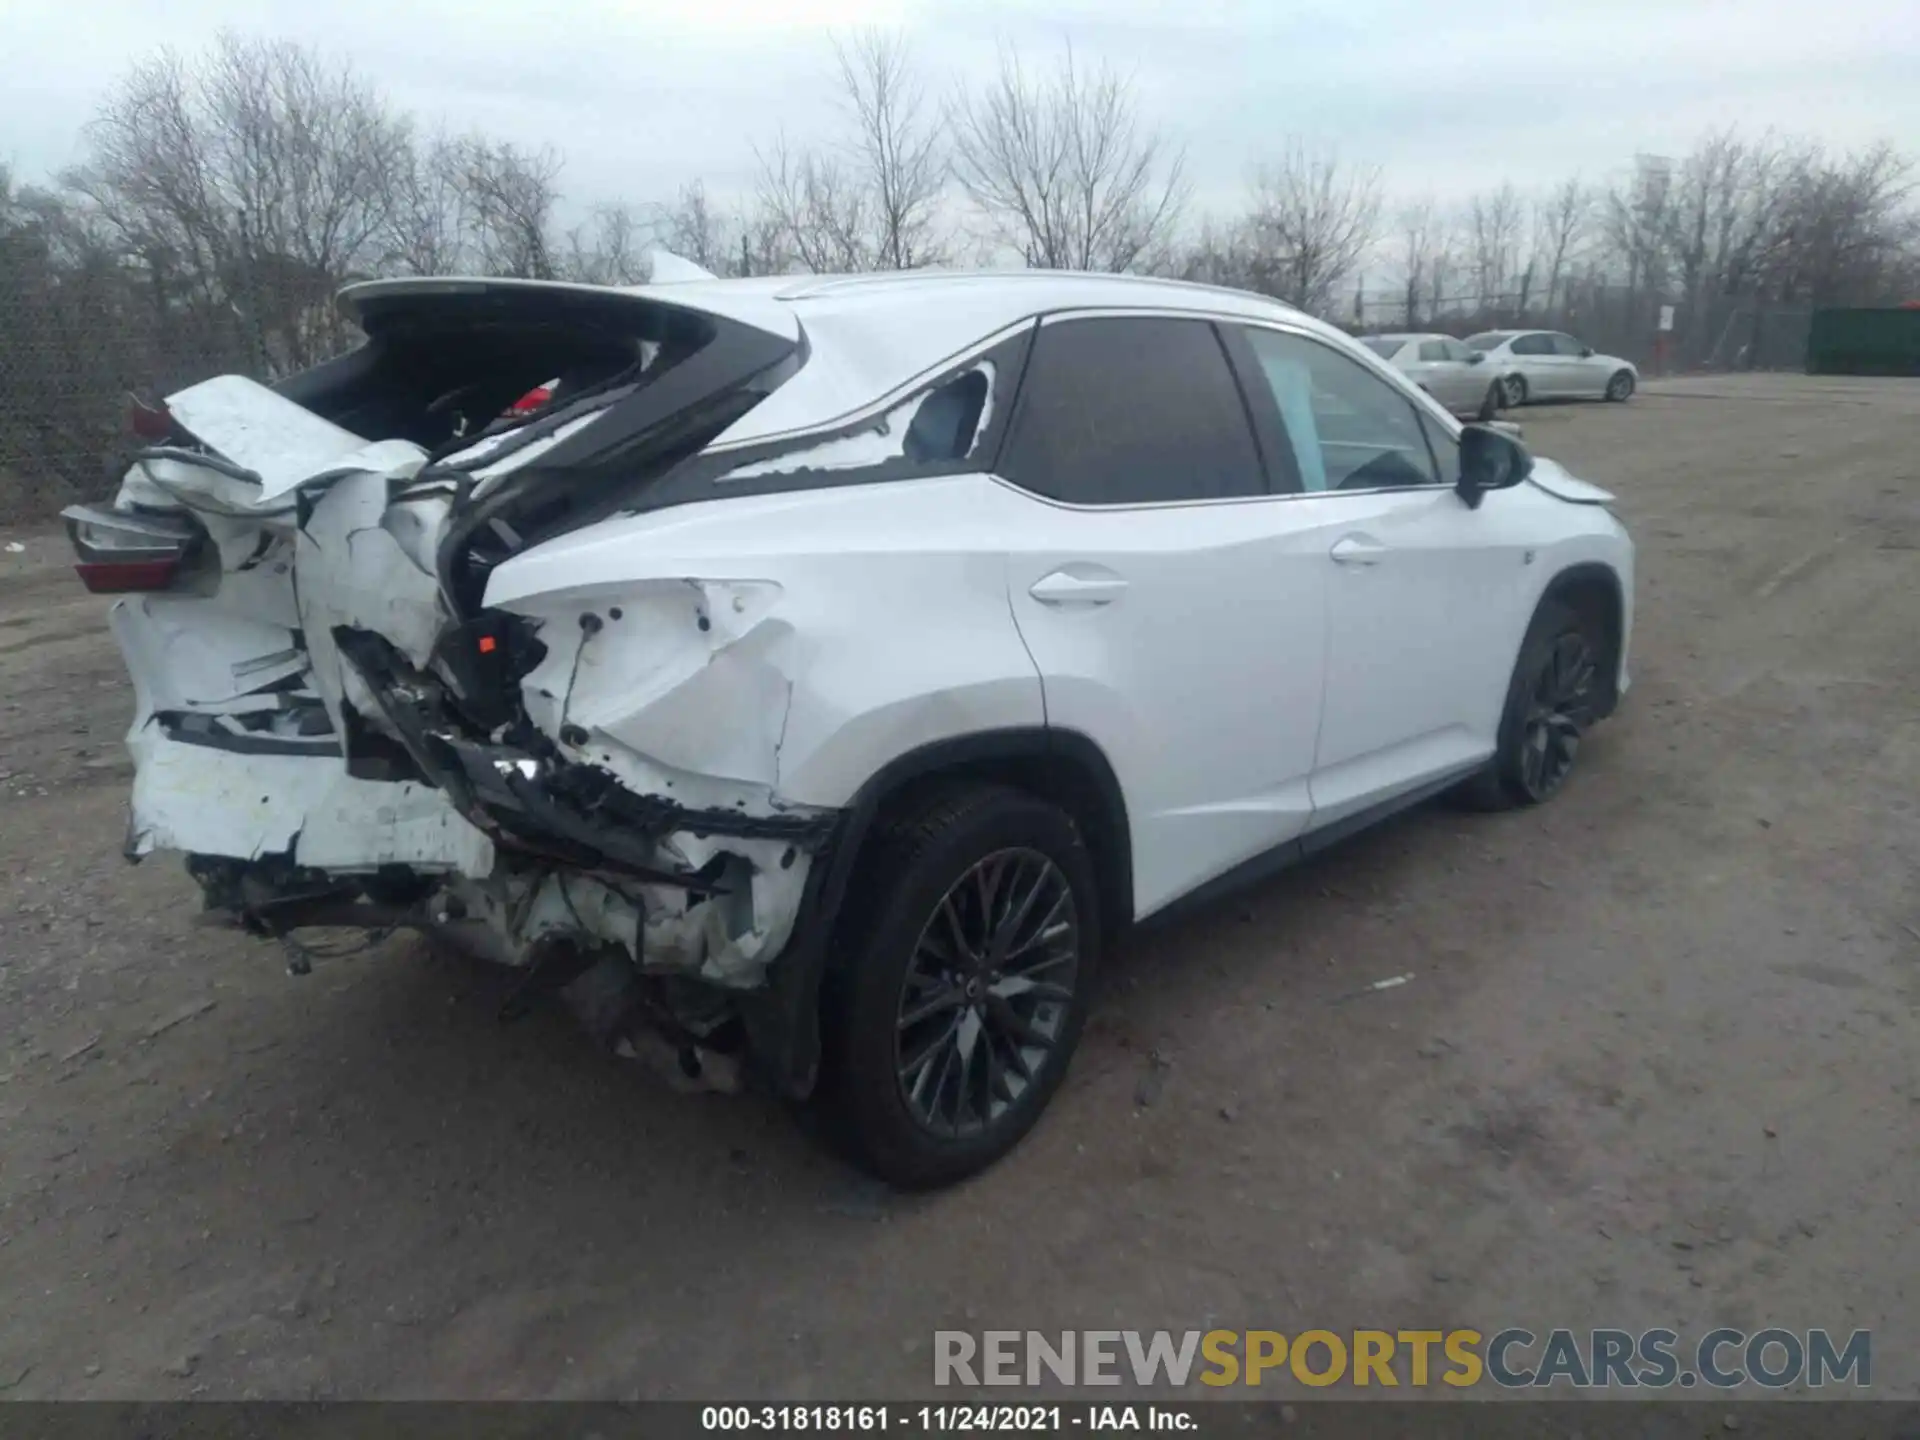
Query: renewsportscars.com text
1511, 1358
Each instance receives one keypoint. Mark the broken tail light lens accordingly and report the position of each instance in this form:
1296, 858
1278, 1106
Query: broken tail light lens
122, 551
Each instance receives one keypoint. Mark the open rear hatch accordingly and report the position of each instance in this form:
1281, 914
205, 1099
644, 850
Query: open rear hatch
303, 569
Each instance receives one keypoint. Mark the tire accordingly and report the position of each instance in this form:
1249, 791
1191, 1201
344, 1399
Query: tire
913, 1098
1620, 387
1552, 701
1490, 403
1516, 391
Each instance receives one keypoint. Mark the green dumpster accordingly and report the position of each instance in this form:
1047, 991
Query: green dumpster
1865, 342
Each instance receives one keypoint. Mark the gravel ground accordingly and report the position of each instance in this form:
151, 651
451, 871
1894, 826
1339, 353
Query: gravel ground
1657, 1064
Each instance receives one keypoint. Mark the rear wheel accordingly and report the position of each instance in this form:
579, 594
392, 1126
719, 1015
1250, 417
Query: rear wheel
1620, 386
1515, 387
964, 991
1552, 701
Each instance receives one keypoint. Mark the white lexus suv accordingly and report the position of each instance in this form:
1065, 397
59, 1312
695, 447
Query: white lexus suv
829, 669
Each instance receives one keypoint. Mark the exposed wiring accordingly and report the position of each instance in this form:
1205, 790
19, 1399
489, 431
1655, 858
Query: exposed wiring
302, 954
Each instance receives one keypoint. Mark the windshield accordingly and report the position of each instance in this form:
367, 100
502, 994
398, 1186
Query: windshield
1381, 345
1491, 340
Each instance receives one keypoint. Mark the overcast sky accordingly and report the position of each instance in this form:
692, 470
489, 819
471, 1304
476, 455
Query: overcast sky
646, 95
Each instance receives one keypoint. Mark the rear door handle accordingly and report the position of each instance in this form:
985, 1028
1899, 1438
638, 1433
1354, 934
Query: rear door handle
1357, 550
1080, 585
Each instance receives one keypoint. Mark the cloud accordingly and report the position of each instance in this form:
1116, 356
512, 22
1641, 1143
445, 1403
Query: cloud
643, 99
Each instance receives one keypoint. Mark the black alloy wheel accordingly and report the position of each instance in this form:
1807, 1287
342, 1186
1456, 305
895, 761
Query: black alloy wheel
987, 992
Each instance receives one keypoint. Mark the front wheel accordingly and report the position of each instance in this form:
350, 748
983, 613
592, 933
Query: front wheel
1490, 403
1620, 386
1553, 699
961, 1000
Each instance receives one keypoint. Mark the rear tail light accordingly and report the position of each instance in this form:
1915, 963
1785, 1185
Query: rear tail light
148, 422
533, 400
121, 551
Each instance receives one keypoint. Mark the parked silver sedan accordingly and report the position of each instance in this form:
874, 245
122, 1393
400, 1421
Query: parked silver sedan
1456, 375
1549, 365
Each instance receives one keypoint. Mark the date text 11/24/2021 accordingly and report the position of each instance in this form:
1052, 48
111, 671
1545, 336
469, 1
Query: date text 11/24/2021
947, 1419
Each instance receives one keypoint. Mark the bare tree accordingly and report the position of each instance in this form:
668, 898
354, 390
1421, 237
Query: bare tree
1493, 223
1062, 169
431, 228
252, 181
1637, 222
1559, 226
1845, 227
1422, 236
897, 150
819, 208
509, 194
871, 200
1311, 223
610, 248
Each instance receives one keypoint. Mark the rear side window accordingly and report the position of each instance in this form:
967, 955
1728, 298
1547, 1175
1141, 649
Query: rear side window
1131, 411
1385, 349
1433, 350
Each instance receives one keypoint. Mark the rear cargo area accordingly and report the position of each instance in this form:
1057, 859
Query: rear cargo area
330, 721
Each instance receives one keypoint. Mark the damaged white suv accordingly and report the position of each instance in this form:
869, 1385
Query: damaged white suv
829, 669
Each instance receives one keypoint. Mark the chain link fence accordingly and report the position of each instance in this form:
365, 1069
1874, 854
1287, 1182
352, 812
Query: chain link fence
77, 340
1720, 333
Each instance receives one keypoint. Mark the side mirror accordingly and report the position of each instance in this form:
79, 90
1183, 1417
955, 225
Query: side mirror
1474, 357
1586, 352
1489, 460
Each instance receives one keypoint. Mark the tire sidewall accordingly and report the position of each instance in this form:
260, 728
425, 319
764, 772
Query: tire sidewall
866, 994
1621, 387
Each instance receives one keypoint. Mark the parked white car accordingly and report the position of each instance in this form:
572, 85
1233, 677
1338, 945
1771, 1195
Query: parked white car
1548, 365
831, 668
1451, 371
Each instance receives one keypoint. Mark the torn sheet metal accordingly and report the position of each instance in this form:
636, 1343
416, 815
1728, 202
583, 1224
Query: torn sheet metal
634, 686
182, 653
276, 439
216, 802
355, 572
727, 939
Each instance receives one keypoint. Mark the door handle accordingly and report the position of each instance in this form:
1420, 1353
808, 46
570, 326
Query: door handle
1090, 587
1357, 550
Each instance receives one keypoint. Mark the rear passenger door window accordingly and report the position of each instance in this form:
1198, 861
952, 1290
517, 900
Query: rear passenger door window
1131, 410
1348, 429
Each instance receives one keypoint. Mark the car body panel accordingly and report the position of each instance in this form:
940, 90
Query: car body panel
1440, 365
1200, 678
880, 624
1551, 363
705, 686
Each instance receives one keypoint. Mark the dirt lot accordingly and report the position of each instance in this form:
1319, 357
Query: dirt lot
1658, 1064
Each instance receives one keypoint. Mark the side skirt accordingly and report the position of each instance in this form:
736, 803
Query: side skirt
1267, 864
